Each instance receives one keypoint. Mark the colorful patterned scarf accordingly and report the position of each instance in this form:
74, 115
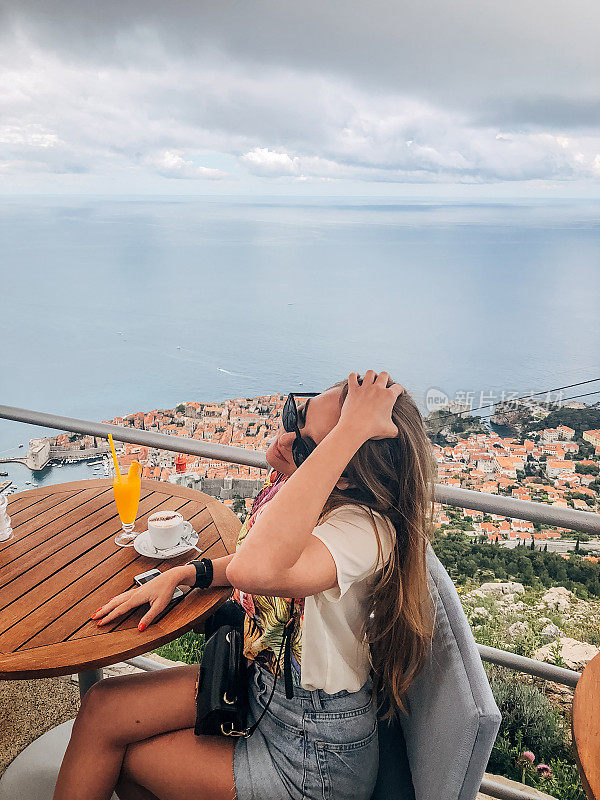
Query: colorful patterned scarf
266, 616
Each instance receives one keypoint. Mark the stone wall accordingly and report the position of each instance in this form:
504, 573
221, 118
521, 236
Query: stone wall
64, 453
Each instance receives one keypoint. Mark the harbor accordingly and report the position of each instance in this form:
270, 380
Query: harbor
20, 478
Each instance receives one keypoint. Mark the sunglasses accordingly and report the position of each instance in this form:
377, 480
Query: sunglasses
301, 448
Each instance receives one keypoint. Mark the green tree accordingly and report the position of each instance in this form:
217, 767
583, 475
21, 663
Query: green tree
238, 506
587, 469
465, 559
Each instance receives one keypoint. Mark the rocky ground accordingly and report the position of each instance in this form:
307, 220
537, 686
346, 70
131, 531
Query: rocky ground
552, 626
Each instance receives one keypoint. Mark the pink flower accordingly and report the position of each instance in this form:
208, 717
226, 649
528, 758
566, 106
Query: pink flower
528, 756
544, 770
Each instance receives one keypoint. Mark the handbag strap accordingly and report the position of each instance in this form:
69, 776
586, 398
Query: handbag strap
287, 669
287, 658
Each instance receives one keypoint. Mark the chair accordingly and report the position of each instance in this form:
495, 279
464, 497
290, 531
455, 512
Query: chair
447, 738
32, 775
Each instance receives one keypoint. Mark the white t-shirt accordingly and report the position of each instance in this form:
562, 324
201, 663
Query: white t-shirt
334, 654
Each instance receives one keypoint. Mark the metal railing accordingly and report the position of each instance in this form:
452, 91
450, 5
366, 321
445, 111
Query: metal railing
586, 522
583, 521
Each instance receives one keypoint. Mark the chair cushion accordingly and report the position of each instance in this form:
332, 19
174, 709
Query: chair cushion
453, 719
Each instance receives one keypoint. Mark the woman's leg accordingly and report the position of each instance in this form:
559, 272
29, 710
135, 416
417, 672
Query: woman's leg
181, 766
117, 712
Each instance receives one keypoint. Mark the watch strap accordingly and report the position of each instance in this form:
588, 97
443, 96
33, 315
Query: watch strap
204, 573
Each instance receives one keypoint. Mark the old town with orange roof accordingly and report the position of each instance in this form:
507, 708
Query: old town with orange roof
485, 462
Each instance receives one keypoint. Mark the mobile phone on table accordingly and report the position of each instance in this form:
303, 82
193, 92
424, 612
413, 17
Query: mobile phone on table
144, 577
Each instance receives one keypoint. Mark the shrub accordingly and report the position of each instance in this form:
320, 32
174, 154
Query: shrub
187, 648
564, 782
557, 778
526, 710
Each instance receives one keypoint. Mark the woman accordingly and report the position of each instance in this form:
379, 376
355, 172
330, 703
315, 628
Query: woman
347, 531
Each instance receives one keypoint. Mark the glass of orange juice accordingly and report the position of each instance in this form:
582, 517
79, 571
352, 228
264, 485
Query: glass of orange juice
127, 490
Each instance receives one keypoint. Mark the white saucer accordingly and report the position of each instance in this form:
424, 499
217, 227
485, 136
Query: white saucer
144, 546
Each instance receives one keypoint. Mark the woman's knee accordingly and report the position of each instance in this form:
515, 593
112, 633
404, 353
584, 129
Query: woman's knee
103, 705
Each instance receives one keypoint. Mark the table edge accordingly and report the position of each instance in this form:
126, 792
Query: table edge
586, 676
222, 595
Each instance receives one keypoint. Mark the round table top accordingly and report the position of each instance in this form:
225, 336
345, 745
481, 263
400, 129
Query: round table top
586, 727
63, 564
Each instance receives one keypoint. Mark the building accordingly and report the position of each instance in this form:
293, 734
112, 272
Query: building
593, 437
39, 453
508, 466
562, 432
566, 433
486, 464
555, 468
522, 526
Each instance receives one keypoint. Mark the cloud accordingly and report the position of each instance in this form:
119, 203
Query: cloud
547, 111
146, 93
31, 135
265, 162
460, 54
173, 165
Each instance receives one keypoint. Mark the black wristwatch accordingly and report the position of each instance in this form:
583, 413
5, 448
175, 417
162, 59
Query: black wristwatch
204, 573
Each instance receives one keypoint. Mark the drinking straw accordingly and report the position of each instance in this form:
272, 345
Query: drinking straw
114, 455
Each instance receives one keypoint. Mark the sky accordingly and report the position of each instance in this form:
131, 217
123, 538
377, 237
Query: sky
469, 98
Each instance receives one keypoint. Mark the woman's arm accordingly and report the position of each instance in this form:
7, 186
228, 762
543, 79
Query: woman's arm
281, 556
158, 592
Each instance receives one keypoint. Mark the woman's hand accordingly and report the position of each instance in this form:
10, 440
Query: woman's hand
158, 592
367, 408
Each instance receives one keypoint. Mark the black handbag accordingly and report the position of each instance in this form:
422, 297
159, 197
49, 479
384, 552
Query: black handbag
222, 687
221, 699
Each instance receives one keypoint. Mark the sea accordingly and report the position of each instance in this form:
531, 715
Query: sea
110, 305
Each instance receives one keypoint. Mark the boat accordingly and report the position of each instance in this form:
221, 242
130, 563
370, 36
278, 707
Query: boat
21, 445
3, 474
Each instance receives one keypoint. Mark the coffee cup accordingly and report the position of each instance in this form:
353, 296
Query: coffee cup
166, 529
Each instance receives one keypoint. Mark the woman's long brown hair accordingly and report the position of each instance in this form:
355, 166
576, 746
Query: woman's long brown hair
396, 478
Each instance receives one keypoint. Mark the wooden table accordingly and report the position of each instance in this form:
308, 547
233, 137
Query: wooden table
63, 564
586, 728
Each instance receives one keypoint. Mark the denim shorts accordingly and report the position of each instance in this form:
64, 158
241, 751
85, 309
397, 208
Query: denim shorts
316, 746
